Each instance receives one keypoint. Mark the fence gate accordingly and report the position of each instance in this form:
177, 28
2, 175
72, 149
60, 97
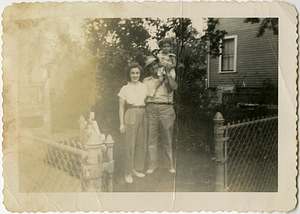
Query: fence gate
48, 163
246, 155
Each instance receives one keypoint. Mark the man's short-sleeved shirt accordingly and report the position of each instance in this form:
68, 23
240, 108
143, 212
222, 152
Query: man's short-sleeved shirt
161, 94
134, 94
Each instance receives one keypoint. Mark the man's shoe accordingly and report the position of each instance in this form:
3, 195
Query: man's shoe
172, 171
138, 174
149, 171
128, 178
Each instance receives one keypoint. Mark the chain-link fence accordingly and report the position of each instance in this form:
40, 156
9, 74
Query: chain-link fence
252, 155
247, 155
48, 163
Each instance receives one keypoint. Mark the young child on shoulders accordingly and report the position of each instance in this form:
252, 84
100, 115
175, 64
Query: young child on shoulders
167, 63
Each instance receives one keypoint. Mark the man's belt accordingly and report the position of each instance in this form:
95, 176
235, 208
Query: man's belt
159, 103
133, 106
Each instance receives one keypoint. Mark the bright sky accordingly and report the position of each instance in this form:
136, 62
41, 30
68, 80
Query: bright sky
73, 26
198, 23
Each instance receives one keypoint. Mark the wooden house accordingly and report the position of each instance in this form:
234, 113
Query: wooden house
246, 61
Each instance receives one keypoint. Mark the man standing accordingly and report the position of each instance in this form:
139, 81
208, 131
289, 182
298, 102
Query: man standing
161, 115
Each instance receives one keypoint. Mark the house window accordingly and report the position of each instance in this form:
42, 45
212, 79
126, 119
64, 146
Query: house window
228, 57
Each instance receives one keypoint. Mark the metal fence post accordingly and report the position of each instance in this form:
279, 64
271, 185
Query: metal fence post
110, 162
219, 151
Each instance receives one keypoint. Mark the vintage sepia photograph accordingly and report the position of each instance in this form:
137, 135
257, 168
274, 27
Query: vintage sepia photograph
143, 104
180, 104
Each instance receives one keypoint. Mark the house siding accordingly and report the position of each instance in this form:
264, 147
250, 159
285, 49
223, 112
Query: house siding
256, 57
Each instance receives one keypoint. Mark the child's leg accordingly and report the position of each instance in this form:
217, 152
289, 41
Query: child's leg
157, 84
167, 86
168, 70
160, 80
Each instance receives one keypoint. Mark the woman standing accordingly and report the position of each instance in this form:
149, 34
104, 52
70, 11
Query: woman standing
134, 122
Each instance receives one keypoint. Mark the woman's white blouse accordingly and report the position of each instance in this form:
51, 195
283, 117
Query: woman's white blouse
134, 94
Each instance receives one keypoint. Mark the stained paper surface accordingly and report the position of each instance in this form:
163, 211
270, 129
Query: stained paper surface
50, 80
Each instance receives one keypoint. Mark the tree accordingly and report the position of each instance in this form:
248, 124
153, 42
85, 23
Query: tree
72, 82
184, 32
266, 23
212, 37
187, 50
114, 42
191, 51
117, 41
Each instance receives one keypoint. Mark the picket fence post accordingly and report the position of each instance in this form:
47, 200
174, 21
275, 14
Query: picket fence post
95, 163
110, 162
220, 166
93, 168
82, 124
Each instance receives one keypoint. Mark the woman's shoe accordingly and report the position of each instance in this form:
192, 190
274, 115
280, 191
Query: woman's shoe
128, 178
138, 174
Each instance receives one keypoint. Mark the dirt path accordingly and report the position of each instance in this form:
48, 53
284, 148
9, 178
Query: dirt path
195, 173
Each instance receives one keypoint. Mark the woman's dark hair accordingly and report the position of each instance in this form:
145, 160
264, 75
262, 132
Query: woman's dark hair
131, 66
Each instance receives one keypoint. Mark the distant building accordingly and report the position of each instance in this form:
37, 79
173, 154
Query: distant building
34, 100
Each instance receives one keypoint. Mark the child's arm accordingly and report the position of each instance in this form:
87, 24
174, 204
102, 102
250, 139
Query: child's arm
171, 83
169, 67
173, 60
